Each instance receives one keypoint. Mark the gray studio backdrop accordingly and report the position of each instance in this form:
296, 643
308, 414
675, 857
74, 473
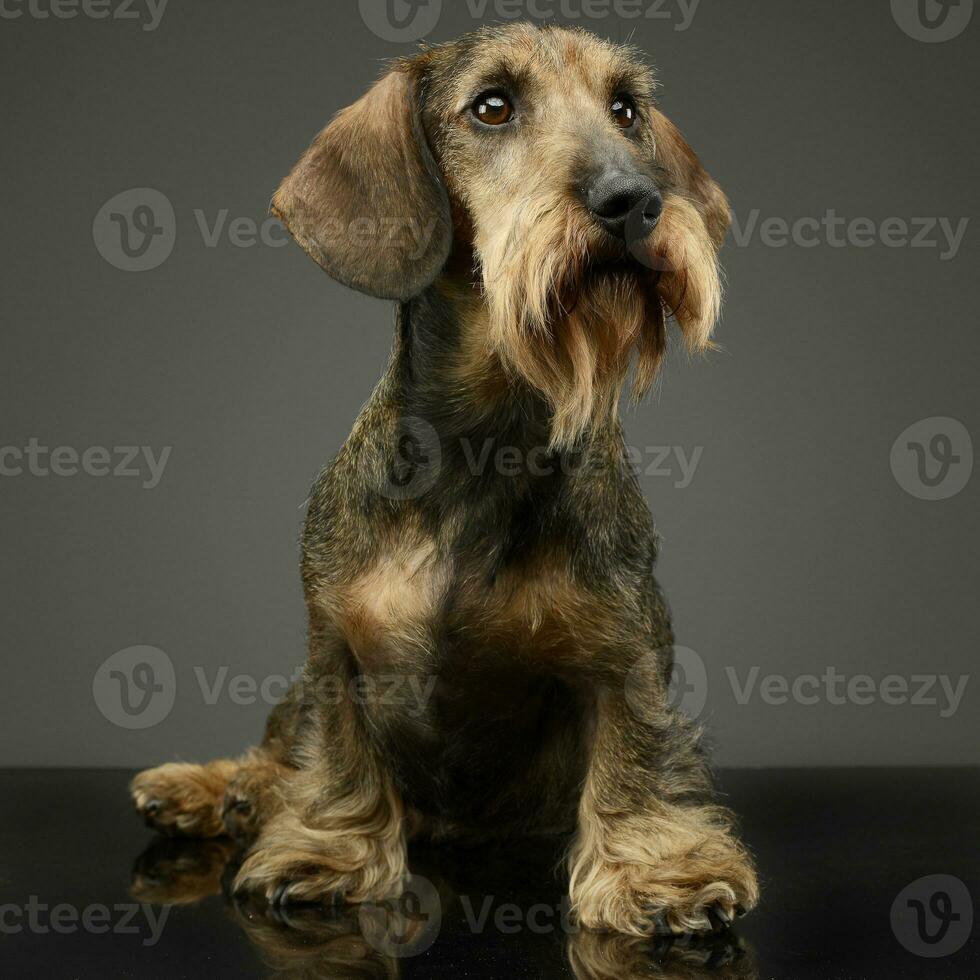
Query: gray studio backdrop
810, 480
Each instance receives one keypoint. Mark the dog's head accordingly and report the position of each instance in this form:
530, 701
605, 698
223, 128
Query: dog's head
537, 155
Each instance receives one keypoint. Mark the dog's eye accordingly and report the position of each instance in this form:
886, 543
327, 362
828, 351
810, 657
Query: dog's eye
493, 109
624, 111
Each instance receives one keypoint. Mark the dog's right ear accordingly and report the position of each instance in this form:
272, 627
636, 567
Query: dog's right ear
693, 180
366, 201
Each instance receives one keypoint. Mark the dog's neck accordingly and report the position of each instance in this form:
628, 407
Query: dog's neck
448, 375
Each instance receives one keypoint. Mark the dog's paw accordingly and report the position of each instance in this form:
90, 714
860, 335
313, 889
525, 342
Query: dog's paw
695, 892
250, 800
180, 798
294, 864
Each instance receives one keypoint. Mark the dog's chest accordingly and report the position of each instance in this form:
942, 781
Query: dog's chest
419, 607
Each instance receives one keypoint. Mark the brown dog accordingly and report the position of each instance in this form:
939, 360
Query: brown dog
538, 220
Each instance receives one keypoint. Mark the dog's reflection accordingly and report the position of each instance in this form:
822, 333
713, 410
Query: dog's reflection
314, 944
596, 956
384, 942
174, 871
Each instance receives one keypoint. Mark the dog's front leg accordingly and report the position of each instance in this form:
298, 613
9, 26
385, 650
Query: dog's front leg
653, 853
339, 836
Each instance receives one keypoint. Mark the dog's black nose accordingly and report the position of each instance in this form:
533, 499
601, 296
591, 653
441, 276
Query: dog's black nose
627, 206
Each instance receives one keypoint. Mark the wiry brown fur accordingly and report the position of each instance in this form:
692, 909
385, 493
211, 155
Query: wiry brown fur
521, 601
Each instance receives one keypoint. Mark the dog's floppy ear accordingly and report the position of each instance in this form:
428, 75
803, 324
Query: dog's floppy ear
692, 179
366, 201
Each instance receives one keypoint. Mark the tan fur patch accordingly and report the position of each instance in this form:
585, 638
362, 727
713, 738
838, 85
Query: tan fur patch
549, 607
390, 603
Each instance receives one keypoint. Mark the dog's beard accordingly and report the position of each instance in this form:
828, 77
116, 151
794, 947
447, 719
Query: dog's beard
569, 309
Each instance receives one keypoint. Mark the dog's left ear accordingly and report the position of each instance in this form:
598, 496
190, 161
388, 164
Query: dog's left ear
366, 201
692, 179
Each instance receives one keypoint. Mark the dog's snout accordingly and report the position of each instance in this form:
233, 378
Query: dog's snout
626, 205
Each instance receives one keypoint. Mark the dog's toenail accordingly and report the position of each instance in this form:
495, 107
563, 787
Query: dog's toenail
717, 919
280, 897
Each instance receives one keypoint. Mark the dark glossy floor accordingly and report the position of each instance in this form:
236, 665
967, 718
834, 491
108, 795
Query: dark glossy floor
84, 889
